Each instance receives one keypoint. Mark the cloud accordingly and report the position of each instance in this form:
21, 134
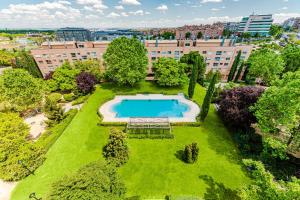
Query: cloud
284, 8
281, 17
96, 4
215, 9
211, 1
119, 7
113, 15
162, 7
138, 12
130, 2
124, 14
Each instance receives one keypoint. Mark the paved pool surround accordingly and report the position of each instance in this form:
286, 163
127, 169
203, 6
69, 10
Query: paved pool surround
110, 116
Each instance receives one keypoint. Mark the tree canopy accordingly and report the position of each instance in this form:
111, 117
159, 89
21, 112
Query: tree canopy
276, 31
291, 57
126, 61
6, 58
90, 66
169, 72
25, 61
278, 111
19, 89
93, 181
266, 65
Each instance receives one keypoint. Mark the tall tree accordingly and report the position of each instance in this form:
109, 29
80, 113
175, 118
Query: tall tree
25, 61
234, 66
126, 61
266, 65
199, 35
193, 81
276, 31
291, 57
239, 72
195, 59
20, 89
188, 35
207, 98
278, 111
169, 72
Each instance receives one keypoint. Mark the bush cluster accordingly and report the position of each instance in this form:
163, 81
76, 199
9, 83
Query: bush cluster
116, 150
93, 181
191, 152
15, 147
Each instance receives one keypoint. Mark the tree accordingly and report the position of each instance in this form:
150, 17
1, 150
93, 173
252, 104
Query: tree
291, 57
195, 59
276, 31
193, 81
226, 33
15, 147
199, 35
93, 181
6, 58
20, 89
239, 72
91, 66
234, 66
169, 72
191, 152
266, 65
207, 98
168, 35
234, 106
64, 77
278, 111
86, 82
116, 150
266, 187
210, 75
188, 35
54, 112
126, 61
25, 61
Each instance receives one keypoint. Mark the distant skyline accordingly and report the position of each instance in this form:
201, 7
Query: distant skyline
136, 13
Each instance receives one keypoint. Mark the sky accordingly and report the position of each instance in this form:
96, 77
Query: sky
136, 13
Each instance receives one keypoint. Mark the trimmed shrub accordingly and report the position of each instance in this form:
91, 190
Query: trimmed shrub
93, 181
54, 97
191, 152
69, 97
116, 151
54, 112
80, 100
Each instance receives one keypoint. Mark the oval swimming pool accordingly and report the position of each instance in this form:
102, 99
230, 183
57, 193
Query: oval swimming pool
150, 108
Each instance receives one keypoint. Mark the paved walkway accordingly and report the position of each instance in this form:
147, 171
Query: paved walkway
5, 189
37, 124
68, 106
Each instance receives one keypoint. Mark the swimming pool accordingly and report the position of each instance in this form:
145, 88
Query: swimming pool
176, 107
150, 108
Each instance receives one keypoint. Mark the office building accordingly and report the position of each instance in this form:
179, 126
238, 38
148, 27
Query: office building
256, 25
291, 23
219, 54
231, 26
73, 34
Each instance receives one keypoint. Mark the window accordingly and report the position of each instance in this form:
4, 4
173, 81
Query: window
228, 58
226, 64
84, 57
48, 61
218, 53
153, 58
169, 52
245, 52
221, 63
216, 64
61, 61
217, 58
187, 44
81, 46
204, 52
158, 51
177, 53
38, 56
94, 54
73, 55
78, 53
41, 62
64, 55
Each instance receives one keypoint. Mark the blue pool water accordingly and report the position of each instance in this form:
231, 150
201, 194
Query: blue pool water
150, 108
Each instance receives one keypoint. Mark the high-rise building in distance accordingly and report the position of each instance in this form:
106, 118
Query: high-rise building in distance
256, 25
73, 34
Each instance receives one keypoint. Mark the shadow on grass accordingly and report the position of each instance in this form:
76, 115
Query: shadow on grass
220, 139
218, 191
179, 155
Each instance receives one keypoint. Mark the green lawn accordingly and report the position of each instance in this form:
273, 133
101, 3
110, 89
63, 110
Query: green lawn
153, 169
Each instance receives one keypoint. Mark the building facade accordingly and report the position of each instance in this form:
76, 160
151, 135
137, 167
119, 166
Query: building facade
292, 23
73, 34
219, 54
256, 24
231, 26
208, 31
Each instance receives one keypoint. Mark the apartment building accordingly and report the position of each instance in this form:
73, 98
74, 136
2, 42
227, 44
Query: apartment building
73, 34
256, 24
219, 54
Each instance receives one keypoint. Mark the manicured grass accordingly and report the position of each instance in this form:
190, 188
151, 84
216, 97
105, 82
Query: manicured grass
153, 169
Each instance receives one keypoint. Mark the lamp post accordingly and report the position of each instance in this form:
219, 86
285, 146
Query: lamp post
33, 196
24, 166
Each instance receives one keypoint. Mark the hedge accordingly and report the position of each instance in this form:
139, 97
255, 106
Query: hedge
48, 138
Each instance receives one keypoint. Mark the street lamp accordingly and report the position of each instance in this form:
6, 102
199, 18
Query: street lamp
24, 166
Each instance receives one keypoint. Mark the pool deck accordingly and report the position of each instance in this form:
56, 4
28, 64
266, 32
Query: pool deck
110, 116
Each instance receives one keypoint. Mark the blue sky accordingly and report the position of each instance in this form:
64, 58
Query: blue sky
136, 13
